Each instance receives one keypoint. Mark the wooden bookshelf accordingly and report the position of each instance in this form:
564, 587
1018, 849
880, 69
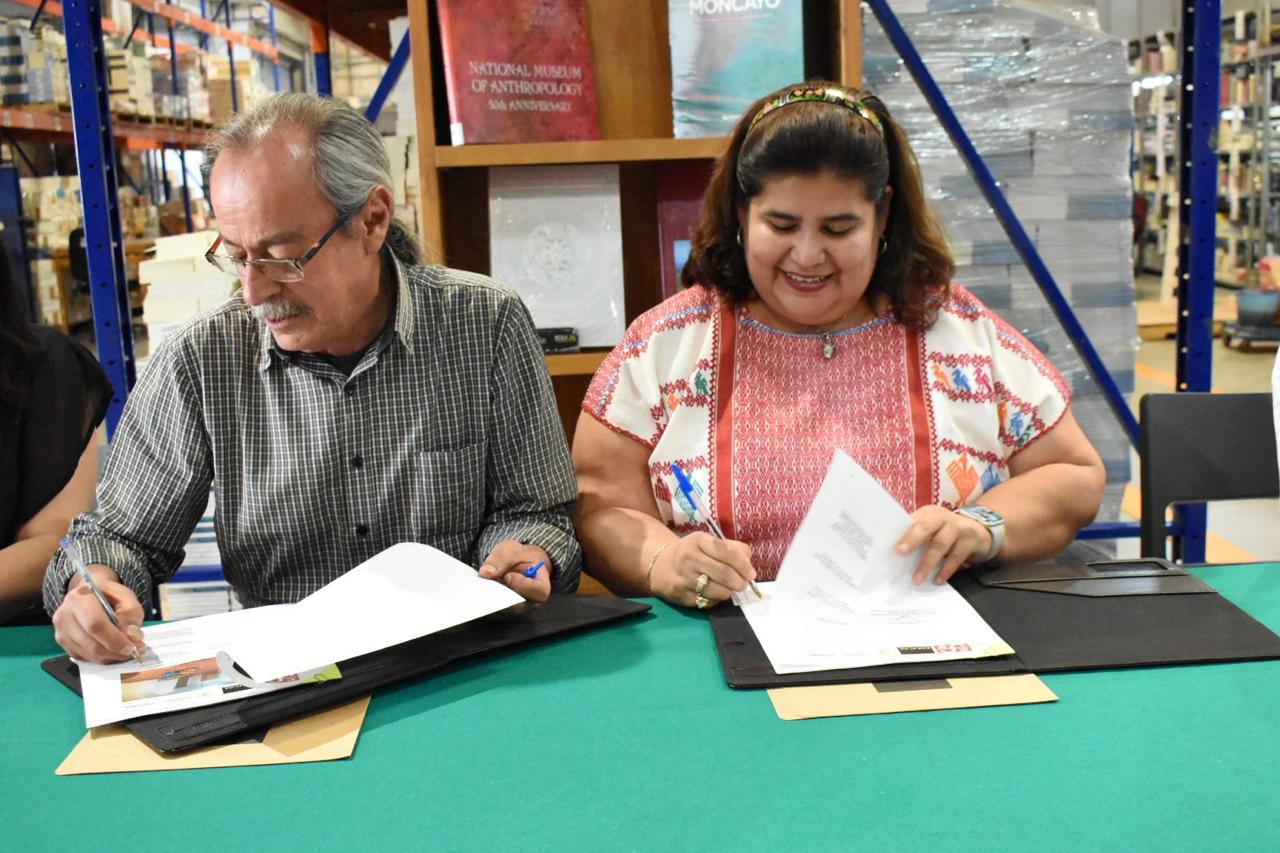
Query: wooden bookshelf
575, 363
632, 63
594, 151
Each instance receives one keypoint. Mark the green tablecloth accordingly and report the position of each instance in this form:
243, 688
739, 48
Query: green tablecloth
628, 738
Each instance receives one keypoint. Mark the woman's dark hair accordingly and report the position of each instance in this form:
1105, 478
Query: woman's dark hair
18, 343
810, 137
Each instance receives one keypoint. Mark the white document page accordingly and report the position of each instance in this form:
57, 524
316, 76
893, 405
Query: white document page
844, 597
407, 591
180, 670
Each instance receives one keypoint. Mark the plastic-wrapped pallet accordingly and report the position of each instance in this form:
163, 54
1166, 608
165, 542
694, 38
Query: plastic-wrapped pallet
1045, 97
45, 50
53, 205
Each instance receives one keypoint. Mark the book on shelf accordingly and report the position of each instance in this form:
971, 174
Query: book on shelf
680, 187
555, 237
518, 71
726, 55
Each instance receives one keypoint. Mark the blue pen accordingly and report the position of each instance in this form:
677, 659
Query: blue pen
700, 512
532, 571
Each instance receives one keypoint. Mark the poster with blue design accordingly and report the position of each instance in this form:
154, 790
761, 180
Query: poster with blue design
727, 53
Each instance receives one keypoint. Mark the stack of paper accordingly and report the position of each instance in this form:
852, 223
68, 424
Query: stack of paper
406, 592
844, 597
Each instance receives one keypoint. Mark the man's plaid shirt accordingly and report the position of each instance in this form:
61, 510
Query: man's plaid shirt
446, 433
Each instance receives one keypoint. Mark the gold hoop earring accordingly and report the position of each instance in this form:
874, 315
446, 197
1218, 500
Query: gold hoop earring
739, 236
884, 246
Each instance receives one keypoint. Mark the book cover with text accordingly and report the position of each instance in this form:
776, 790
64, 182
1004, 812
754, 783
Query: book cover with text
518, 71
725, 55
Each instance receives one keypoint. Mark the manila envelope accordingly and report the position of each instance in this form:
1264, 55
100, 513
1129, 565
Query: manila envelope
325, 736
891, 697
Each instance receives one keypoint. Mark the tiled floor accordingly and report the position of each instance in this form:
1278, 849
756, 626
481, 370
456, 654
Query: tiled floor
1238, 530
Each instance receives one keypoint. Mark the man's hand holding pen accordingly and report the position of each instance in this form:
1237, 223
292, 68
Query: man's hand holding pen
84, 628
524, 568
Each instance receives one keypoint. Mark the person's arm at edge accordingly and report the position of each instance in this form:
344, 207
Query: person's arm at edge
22, 564
530, 477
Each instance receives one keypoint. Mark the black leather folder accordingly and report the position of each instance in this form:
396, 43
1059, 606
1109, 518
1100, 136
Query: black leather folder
523, 623
1056, 618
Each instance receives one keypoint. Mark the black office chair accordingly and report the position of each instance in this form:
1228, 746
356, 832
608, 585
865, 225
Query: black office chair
1202, 447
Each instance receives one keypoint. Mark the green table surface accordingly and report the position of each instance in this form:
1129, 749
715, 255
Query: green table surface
628, 738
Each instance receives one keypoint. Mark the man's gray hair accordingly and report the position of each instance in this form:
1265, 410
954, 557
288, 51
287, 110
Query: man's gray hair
347, 155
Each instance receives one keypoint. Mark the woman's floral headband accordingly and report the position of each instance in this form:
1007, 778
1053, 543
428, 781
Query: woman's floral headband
829, 95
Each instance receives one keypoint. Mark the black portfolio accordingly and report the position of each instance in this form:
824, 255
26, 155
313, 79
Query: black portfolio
523, 623
1056, 617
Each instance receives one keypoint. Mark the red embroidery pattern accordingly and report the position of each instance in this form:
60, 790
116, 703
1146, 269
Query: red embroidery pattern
688, 307
792, 409
963, 376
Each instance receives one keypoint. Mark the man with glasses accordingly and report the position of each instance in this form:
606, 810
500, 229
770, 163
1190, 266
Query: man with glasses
345, 399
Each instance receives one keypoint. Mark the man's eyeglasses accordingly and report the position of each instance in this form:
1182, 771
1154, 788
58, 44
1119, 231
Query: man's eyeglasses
282, 270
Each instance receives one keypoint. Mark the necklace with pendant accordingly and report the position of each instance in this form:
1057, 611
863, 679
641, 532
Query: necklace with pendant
828, 346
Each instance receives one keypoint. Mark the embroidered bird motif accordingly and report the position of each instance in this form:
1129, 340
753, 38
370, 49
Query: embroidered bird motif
1016, 426
963, 476
961, 381
990, 479
941, 375
700, 385
984, 383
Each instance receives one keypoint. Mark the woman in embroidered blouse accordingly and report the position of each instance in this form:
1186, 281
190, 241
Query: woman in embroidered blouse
820, 315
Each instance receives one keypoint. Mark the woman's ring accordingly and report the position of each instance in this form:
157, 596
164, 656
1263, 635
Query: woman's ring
701, 586
702, 601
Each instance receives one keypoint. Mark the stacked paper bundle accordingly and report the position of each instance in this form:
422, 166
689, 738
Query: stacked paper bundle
46, 54
1045, 96
13, 66
118, 80
191, 101
53, 203
139, 217
48, 289
249, 87
181, 283
129, 81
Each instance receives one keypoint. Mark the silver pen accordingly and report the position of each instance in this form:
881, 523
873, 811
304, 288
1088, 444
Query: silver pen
87, 580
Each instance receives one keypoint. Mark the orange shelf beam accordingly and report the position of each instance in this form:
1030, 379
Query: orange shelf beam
108, 25
134, 134
195, 22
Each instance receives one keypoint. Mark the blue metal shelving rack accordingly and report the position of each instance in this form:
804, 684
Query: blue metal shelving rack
99, 179
96, 162
1198, 187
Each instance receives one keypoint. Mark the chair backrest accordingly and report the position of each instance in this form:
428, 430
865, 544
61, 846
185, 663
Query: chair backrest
1203, 447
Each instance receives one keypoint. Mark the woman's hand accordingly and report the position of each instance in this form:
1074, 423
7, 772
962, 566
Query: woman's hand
949, 539
678, 570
